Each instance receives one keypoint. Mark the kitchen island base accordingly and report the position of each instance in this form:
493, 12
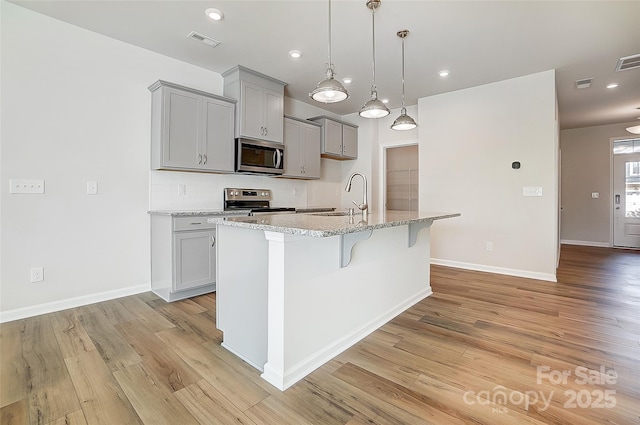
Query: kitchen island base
286, 305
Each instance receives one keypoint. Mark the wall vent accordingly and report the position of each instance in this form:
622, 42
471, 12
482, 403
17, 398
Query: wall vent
628, 62
203, 39
585, 83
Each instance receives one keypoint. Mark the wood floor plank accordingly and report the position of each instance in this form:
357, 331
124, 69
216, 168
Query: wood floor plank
73, 418
242, 392
166, 365
114, 349
103, 400
50, 390
154, 402
71, 335
13, 368
15, 413
145, 314
209, 407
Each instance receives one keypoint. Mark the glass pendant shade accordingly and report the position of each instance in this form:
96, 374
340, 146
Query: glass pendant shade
329, 90
404, 122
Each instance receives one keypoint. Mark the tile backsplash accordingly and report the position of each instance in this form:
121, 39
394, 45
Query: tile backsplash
205, 191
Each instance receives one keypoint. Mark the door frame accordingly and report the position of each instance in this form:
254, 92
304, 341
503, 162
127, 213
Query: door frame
383, 168
611, 191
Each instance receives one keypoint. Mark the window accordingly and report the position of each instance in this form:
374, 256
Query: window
626, 146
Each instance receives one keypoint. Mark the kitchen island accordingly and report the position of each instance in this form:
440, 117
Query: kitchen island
295, 290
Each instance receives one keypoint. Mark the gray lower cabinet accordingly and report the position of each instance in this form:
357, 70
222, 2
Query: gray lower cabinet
302, 149
339, 139
191, 130
183, 256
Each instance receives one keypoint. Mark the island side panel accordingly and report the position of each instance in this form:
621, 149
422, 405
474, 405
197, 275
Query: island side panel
326, 308
241, 296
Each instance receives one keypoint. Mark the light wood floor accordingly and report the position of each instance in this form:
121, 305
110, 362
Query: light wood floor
484, 349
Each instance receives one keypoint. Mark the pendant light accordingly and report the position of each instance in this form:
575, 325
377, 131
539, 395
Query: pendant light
329, 90
404, 121
374, 108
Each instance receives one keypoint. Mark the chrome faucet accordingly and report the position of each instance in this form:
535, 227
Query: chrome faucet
363, 206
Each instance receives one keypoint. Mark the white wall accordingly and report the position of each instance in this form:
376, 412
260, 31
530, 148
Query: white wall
586, 168
468, 140
75, 107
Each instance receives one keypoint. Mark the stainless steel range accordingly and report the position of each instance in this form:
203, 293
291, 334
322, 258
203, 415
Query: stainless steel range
256, 200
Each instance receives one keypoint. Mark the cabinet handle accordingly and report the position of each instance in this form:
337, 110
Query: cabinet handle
205, 158
213, 241
196, 224
199, 158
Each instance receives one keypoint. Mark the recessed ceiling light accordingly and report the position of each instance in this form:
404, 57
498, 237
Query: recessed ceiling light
612, 85
443, 73
347, 80
295, 54
214, 14
384, 100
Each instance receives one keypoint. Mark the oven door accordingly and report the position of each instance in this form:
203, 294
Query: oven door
257, 156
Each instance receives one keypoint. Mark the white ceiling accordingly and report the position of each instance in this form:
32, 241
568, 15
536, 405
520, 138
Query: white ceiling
478, 41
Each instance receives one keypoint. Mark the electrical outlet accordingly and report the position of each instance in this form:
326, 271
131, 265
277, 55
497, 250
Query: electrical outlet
595, 195
489, 246
92, 188
37, 274
182, 189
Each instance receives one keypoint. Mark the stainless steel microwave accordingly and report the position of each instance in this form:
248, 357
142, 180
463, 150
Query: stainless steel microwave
260, 157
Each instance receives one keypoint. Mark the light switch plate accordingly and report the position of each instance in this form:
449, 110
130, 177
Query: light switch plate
531, 191
595, 195
26, 186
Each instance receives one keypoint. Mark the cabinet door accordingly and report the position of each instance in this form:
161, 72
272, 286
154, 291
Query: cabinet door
311, 159
273, 116
195, 259
332, 137
349, 141
251, 124
181, 129
217, 140
293, 148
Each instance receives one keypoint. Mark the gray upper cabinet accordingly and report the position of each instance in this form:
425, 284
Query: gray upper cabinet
260, 107
339, 139
302, 149
190, 129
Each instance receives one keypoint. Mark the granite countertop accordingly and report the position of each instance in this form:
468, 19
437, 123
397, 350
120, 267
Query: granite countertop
194, 213
324, 226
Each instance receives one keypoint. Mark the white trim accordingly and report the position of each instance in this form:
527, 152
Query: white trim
498, 270
51, 307
314, 361
585, 243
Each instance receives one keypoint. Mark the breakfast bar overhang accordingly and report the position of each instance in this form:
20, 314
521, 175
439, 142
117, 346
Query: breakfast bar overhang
295, 290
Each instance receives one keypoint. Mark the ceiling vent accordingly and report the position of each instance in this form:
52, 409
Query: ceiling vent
628, 62
585, 83
203, 39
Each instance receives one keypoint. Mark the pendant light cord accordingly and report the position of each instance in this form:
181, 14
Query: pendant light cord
330, 64
403, 107
373, 26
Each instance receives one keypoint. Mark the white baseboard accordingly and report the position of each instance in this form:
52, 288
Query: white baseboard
498, 270
284, 379
35, 310
585, 243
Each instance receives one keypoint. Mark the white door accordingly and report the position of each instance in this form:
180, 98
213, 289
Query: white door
626, 200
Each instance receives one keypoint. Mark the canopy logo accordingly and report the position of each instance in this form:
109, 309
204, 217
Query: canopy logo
594, 397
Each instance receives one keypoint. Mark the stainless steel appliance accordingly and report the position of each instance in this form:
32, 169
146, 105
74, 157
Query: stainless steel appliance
256, 200
259, 157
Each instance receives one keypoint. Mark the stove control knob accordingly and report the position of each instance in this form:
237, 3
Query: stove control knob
264, 193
